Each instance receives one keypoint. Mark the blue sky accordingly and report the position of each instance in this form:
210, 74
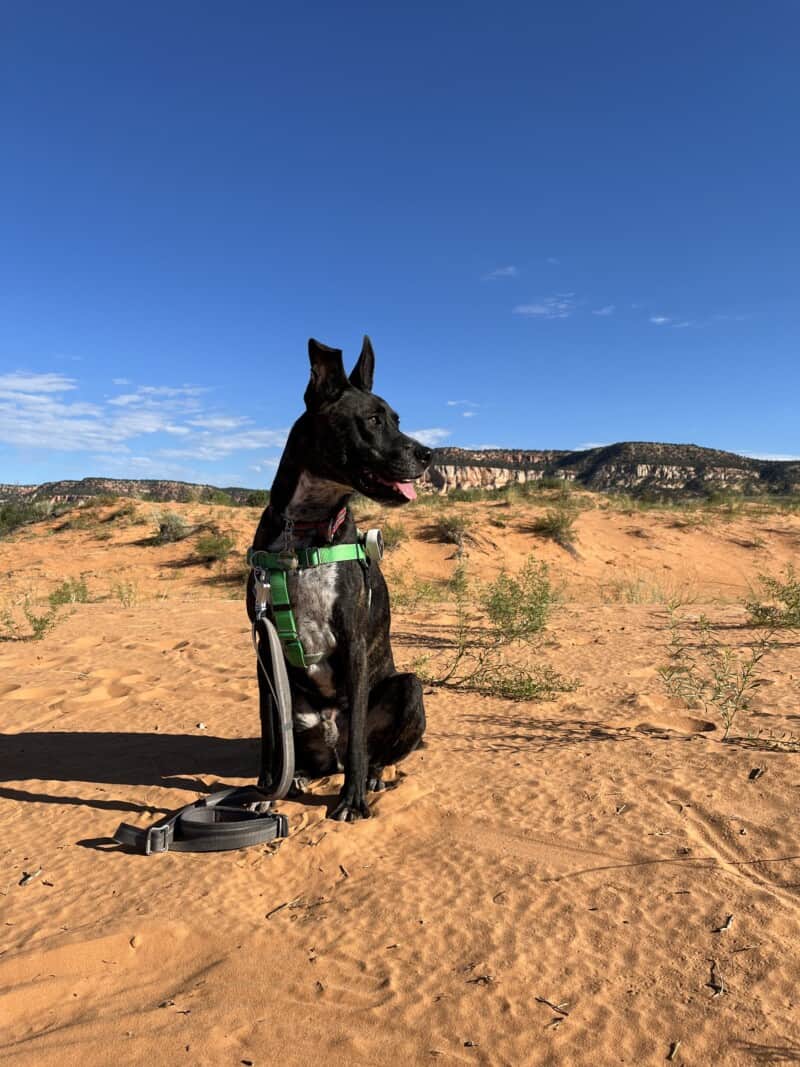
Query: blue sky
560, 224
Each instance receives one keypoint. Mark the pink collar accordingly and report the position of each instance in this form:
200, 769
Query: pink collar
326, 529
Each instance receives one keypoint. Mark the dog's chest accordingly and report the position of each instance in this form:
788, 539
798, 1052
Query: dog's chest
312, 594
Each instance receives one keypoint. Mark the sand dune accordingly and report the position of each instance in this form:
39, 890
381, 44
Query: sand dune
580, 851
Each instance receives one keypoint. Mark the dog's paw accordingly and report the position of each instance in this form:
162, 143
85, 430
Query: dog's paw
300, 785
375, 785
350, 811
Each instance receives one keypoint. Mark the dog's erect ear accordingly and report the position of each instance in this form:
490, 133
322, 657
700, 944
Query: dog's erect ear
328, 380
364, 370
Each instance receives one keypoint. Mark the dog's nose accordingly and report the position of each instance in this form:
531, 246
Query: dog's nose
423, 454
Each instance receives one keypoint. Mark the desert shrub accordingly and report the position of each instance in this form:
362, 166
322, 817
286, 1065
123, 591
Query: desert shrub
558, 524
394, 533
219, 496
257, 498
171, 527
125, 511
15, 514
516, 611
71, 591
783, 594
519, 606
40, 625
452, 529
706, 673
214, 546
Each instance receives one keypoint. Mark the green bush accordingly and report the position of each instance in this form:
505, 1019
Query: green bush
15, 514
519, 606
219, 496
784, 596
558, 524
171, 527
516, 609
214, 546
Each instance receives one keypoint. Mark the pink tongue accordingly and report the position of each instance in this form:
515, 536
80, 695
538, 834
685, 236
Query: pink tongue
406, 489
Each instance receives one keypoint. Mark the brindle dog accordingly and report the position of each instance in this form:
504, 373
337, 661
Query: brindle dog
352, 710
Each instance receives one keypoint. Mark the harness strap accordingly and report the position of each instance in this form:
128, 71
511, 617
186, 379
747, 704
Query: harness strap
303, 558
275, 565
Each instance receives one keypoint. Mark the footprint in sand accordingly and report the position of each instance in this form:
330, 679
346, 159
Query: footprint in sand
683, 724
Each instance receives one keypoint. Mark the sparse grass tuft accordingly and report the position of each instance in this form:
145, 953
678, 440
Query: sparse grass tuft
408, 593
394, 534
127, 593
636, 588
71, 591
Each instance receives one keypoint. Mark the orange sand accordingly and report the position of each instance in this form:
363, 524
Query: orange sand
581, 850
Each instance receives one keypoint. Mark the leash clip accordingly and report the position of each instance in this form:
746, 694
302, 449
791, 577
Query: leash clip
262, 591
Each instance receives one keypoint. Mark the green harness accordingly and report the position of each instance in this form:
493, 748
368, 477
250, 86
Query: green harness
271, 572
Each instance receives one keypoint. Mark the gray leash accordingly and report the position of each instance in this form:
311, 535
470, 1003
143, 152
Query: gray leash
232, 818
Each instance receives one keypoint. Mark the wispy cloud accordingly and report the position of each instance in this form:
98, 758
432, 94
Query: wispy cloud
121, 381
779, 456
609, 309
560, 306
553, 261
500, 272
431, 437
36, 411
209, 446
469, 414
462, 404
219, 422
151, 394
665, 320
22, 383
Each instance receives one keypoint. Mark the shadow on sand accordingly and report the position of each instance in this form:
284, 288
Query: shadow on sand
171, 761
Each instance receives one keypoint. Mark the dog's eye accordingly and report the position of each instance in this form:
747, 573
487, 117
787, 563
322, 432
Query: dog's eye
374, 420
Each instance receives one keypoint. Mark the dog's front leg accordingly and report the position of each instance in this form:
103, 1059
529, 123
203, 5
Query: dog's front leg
353, 797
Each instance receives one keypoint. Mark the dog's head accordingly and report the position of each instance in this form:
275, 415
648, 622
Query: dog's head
355, 435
